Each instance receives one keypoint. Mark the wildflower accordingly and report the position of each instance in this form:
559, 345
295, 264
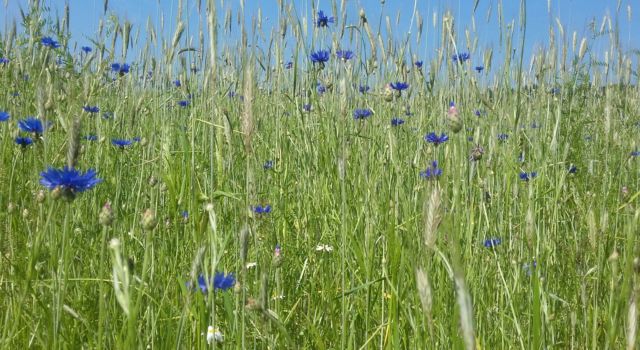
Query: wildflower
492, 242
136, 139
177, 83
399, 86
268, 165
432, 137
344, 55
503, 137
258, 209
49, 42
121, 69
277, 252
219, 281
431, 172
321, 88
363, 89
635, 153
183, 103
476, 153
69, 180
555, 91
524, 176
86, 49
362, 113
32, 125
323, 20
23, 141
535, 125
418, 64
91, 109
572, 169
15, 94
121, 143
4, 60
528, 268
461, 57
479, 69
4, 116
306, 107
320, 57
452, 116
185, 215
214, 334
149, 220
288, 65
107, 115
478, 113
397, 121
324, 248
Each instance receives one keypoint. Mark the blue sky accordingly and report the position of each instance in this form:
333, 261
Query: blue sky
575, 15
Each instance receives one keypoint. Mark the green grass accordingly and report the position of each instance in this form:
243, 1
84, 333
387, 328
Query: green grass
351, 185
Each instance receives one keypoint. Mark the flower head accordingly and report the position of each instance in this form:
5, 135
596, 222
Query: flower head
397, 121
47, 41
418, 64
399, 86
431, 172
259, 209
572, 169
4, 116
362, 113
268, 165
91, 109
32, 125
23, 141
503, 137
177, 83
121, 69
323, 20
4, 60
461, 57
321, 88
183, 103
479, 69
91, 138
86, 49
69, 180
320, 56
363, 89
492, 242
219, 281
524, 176
432, 137
306, 107
344, 55
121, 143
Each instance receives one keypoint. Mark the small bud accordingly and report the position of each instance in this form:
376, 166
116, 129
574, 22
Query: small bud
106, 216
40, 196
152, 181
476, 153
214, 334
614, 256
25, 213
455, 123
149, 220
636, 265
57, 193
11, 207
388, 93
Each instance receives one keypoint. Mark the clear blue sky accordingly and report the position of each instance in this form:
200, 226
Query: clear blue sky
575, 15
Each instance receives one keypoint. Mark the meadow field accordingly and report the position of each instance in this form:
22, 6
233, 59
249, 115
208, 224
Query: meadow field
317, 183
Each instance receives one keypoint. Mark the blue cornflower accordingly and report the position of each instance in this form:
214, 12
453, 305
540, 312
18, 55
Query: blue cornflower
219, 281
399, 86
121, 143
136, 139
32, 125
259, 209
91, 137
321, 88
530, 267
306, 107
288, 65
91, 109
432, 137
397, 121
524, 176
503, 137
320, 56
418, 64
4, 60
183, 103
15, 94
554, 91
461, 57
635, 153
86, 49
185, 215
323, 20
177, 83
344, 55
69, 179
23, 141
362, 113
120, 68
4, 116
107, 115
49, 42
363, 89
268, 165
431, 172
492, 242
572, 169
479, 69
